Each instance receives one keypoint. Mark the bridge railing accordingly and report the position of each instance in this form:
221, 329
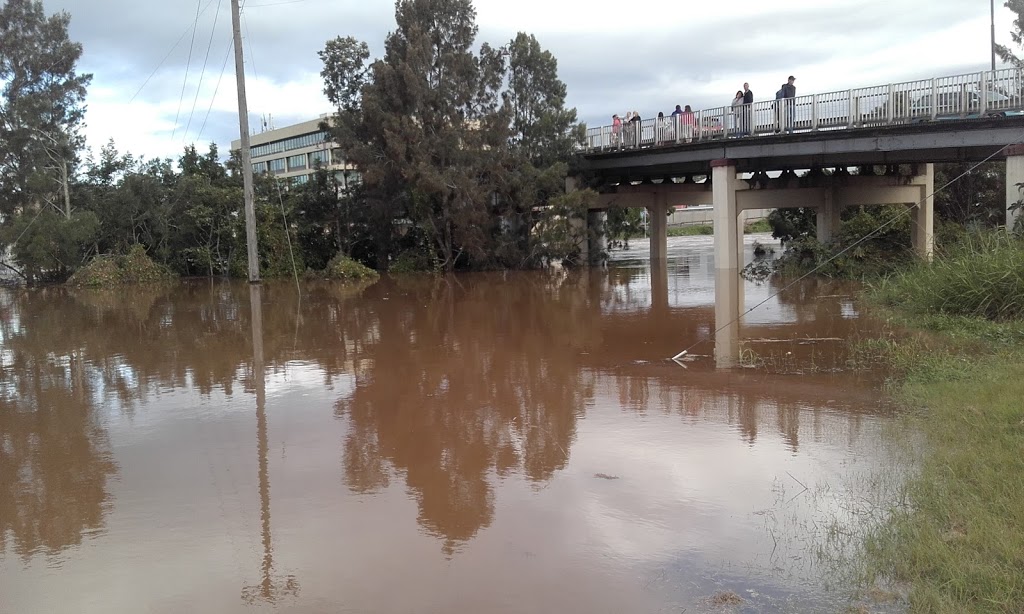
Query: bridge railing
979, 94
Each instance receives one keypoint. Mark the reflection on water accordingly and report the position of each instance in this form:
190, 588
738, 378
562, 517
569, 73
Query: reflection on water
55, 459
476, 443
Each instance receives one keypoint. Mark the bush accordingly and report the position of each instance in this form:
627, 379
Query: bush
343, 268
109, 270
982, 276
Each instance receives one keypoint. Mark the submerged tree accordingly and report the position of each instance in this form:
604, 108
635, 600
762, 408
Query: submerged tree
455, 147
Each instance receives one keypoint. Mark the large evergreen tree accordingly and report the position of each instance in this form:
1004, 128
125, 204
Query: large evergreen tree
459, 147
42, 105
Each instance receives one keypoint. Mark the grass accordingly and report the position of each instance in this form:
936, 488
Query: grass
707, 229
758, 226
957, 545
691, 231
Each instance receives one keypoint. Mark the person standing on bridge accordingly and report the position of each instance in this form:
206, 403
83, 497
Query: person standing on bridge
789, 102
634, 124
688, 122
748, 108
737, 114
616, 130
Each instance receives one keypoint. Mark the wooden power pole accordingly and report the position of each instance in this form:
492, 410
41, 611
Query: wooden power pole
243, 127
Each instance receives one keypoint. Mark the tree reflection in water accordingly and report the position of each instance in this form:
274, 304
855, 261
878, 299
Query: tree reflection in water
55, 458
460, 392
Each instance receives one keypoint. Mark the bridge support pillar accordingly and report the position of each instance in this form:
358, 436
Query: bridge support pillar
828, 217
728, 231
598, 242
922, 225
728, 220
657, 224
1014, 176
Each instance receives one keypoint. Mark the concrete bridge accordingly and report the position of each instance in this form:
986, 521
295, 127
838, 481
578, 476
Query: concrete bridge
722, 156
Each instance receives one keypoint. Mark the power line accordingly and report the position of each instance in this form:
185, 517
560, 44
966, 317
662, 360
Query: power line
161, 63
209, 46
223, 68
866, 237
248, 39
195, 26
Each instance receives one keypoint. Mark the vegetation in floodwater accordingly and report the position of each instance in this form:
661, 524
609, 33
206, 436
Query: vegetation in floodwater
343, 268
958, 542
110, 270
691, 231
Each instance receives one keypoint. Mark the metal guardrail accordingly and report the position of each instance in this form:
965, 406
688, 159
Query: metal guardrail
979, 94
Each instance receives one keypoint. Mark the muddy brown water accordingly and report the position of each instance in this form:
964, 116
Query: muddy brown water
500, 442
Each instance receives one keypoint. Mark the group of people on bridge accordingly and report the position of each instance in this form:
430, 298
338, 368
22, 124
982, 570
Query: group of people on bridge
682, 124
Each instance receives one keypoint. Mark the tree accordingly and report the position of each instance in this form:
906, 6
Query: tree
1016, 34
422, 133
41, 108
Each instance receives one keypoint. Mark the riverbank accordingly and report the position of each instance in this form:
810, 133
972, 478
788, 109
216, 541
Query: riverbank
956, 544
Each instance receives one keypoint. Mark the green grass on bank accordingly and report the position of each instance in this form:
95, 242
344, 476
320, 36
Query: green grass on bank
707, 229
958, 543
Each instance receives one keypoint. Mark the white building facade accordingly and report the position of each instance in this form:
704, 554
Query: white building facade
293, 153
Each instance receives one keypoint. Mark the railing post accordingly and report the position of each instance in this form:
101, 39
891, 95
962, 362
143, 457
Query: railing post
890, 101
983, 94
814, 112
849, 109
934, 100
679, 133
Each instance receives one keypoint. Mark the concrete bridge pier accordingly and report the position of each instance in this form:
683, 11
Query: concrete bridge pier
1014, 176
657, 227
828, 216
726, 215
728, 225
922, 223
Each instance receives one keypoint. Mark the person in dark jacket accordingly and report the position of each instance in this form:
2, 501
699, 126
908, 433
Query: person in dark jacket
748, 108
788, 95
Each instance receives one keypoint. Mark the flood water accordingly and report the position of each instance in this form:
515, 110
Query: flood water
487, 443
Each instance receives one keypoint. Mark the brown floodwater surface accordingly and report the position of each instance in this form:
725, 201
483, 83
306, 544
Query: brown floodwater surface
486, 443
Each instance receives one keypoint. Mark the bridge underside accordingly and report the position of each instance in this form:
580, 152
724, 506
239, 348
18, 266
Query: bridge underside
657, 178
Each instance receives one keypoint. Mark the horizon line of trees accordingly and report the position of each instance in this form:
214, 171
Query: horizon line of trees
462, 152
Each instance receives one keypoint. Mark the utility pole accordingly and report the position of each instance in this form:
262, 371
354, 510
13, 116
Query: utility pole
243, 128
992, 7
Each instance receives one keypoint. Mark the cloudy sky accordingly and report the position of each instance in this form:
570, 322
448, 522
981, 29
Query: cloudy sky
152, 98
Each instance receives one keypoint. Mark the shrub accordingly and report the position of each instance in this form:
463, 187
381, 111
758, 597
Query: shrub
343, 268
981, 276
108, 270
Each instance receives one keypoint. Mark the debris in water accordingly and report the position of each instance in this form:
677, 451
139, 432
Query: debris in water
724, 598
605, 476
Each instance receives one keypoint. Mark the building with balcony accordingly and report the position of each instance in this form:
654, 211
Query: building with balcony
293, 153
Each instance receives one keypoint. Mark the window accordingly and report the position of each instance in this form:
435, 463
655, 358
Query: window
277, 165
259, 168
305, 140
295, 162
336, 157
300, 179
317, 157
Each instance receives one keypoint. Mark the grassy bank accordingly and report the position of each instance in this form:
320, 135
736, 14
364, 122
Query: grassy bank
958, 543
707, 229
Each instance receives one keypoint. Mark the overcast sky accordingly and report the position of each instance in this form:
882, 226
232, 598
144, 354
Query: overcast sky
644, 55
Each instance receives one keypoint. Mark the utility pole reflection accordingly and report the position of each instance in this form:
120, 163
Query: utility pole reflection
269, 589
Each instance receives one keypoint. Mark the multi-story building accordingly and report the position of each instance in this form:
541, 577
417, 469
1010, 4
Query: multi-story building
293, 153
